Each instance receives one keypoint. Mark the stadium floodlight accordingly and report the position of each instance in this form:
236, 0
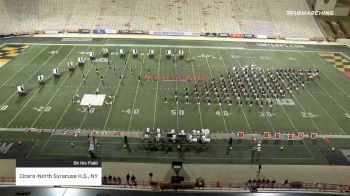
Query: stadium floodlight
151, 53
56, 73
92, 56
134, 52
122, 52
168, 53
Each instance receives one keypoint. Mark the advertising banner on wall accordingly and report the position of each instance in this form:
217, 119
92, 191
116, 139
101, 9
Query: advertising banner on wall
99, 31
233, 35
84, 30
174, 33
223, 34
248, 36
111, 31
51, 32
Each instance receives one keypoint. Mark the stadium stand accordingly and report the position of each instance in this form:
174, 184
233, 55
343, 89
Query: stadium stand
259, 17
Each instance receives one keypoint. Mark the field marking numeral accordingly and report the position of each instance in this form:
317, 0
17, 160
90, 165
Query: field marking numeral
3, 107
91, 110
174, 113
308, 115
54, 52
132, 111
43, 109
266, 114
224, 113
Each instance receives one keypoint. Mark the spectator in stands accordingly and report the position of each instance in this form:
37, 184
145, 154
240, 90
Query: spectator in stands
114, 180
119, 180
259, 167
104, 180
150, 176
248, 182
133, 180
127, 178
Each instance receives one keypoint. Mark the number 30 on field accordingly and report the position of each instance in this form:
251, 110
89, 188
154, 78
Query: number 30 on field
174, 112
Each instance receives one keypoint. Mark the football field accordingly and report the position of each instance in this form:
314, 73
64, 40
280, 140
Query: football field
134, 105
132, 96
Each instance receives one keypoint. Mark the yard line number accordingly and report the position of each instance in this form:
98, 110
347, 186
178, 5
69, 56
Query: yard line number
53, 52
223, 113
266, 114
43, 109
308, 114
174, 112
132, 111
87, 110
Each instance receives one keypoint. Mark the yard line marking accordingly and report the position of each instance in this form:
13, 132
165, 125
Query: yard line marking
25, 82
104, 75
211, 74
70, 102
54, 94
246, 119
303, 109
330, 79
295, 128
345, 55
263, 109
116, 92
335, 84
199, 108
47, 141
31, 60
35, 91
155, 101
335, 101
137, 89
177, 105
330, 117
31, 149
3, 45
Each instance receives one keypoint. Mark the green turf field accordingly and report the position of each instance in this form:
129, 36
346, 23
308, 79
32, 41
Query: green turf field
322, 107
